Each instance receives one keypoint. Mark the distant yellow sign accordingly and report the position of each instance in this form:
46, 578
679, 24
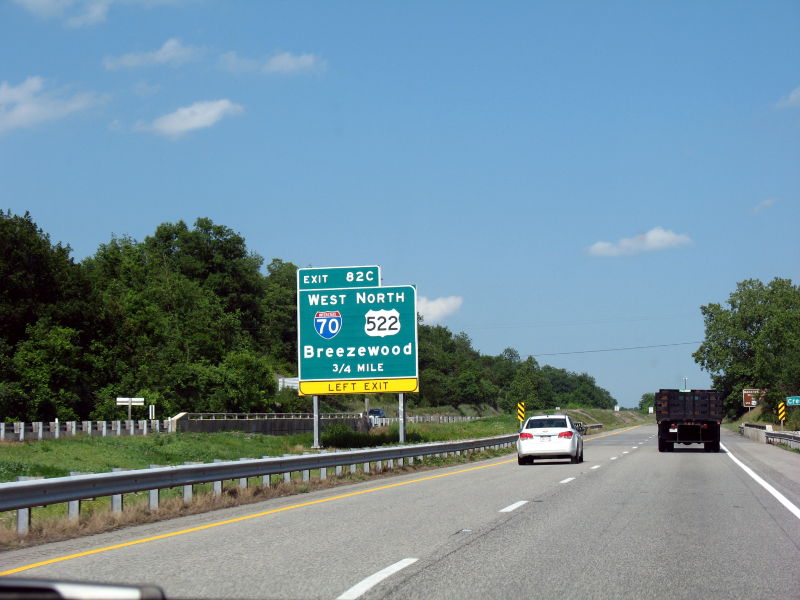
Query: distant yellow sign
520, 411
359, 386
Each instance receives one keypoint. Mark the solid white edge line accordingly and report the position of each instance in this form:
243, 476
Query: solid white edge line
776, 494
370, 582
567, 480
514, 506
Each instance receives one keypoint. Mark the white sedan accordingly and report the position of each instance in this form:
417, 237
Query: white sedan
549, 436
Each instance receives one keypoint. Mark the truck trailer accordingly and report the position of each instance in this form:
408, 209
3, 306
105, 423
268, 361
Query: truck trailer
688, 417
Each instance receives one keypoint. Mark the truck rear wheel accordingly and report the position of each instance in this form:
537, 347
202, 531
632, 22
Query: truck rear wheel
711, 446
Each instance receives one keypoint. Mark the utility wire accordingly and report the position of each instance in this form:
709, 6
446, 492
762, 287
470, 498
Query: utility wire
616, 349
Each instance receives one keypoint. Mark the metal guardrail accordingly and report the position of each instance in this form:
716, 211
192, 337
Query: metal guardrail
39, 492
757, 426
592, 426
386, 421
790, 438
266, 416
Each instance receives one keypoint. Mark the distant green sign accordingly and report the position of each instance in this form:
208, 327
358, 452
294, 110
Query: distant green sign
357, 340
328, 278
793, 400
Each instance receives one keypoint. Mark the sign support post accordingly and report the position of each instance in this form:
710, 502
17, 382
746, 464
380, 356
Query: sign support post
401, 412
317, 443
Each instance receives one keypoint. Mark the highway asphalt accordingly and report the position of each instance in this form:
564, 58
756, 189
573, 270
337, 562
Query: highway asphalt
629, 522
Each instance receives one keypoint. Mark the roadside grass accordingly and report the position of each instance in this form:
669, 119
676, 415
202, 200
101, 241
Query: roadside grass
92, 454
753, 416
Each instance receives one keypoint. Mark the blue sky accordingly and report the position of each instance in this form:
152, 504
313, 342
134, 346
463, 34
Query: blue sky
553, 176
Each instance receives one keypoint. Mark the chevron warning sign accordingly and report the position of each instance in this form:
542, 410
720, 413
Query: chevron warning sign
781, 411
520, 411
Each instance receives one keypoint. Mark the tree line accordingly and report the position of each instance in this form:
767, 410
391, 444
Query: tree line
193, 321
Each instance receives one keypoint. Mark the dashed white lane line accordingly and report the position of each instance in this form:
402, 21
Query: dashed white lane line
370, 582
614, 457
625, 452
634, 447
514, 506
567, 480
775, 493
596, 467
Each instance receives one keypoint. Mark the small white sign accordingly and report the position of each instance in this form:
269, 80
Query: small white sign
130, 401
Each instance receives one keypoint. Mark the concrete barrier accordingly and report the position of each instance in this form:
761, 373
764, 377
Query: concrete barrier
755, 432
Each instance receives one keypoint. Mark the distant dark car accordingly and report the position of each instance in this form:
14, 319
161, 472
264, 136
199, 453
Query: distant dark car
377, 413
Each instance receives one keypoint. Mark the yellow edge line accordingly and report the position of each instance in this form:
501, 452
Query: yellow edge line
267, 512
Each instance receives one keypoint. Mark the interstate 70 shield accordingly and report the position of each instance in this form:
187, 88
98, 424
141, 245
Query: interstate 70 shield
328, 323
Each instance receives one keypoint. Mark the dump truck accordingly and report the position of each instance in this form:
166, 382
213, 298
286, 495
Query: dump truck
688, 417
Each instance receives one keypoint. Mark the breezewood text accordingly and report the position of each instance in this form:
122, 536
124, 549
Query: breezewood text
353, 351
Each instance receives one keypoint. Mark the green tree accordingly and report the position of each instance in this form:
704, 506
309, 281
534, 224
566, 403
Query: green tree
47, 324
51, 374
577, 390
753, 342
648, 400
39, 279
279, 310
529, 386
217, 258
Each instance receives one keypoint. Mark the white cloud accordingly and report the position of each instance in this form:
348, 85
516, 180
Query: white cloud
285, 62
790, 101
29, 104
196, 116
172, 52
45, 9
764, 205
94, 11
434, 311
230, 61
79, 13
656, 239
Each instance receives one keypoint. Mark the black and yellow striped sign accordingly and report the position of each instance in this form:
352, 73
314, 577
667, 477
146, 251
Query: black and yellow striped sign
781, 411
520, 411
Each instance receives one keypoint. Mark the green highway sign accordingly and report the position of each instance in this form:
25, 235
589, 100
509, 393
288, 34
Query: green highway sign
338, 277
793, 400
357, 340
